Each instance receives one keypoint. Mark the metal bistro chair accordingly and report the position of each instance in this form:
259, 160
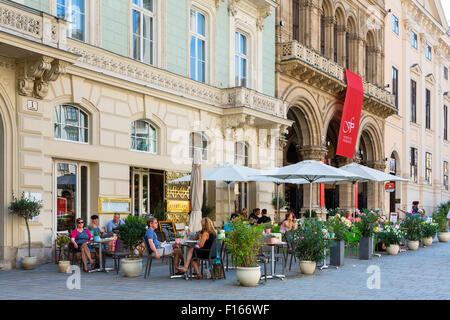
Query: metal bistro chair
117, 254
224, 253
266, 251
213, 258
150, 258
290, 250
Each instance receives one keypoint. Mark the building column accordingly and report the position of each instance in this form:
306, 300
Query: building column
375, 195
329, 37
346, 193
341, 54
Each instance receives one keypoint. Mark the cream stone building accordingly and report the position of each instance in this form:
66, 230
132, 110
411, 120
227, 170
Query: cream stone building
416, 68
316, 41
103, 102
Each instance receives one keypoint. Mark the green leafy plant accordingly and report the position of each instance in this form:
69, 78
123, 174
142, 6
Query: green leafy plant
207, 210
160, 211
391, 235
440, 216
275, 229
353, 235
62, 240
309, 240
27, 209
132, 232
429, 229
413, 226
281, 202
96, 233
367, 222
339, 226
310, 214
334, 212
244, 243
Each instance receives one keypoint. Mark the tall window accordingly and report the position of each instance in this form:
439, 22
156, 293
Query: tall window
322, 34
413, 164
428, 164
335, 43
71, 124
347, 50
395, 85
427, 109
295, 20
143, 31
446, 175
414, 40
395, 24
445, 123
445, 73
241, 153
197, 46
143, 137
428, 52
241, 60
413, 101
198, 141
73, 11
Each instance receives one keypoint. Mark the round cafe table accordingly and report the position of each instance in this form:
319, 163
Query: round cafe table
101, 243
272, 264
185, 246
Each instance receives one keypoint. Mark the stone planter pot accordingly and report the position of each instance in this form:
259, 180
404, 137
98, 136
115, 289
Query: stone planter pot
427, 242
307, 267
393, 249
29, 263
444, 236
131, 267
64, 266
337, 253
248, 276
413, 245
365, 248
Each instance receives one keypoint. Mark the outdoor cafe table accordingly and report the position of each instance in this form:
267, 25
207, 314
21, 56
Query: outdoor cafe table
272, 264
185, 246
100, 243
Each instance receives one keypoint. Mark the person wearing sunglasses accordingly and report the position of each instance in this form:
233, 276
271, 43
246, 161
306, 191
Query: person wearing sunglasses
80, 238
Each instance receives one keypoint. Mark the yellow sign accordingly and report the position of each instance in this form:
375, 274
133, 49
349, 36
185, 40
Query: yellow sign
112, 205
178, 206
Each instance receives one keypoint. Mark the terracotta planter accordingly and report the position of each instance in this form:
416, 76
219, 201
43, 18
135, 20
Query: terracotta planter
393, 249
29, 263
427, 242
64, 266
248, 276
131, 267
413, 245
307, 267
443, 236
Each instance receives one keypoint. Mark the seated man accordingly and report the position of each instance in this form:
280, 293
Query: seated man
114, 223
253, 218
264, 218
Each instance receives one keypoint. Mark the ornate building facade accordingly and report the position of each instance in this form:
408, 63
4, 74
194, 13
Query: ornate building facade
103, 102
316, 41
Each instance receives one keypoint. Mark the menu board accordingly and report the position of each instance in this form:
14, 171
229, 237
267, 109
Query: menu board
169, 227
112, 205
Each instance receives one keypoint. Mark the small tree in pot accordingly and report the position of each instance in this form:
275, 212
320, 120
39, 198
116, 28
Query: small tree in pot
132, 234
244, 243
366, 225
27, 209
339, 226
413, 227
62, 241
429, 231
440, 217
391, 237
310, 243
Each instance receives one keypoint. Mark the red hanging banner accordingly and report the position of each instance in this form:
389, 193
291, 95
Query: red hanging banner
348, 132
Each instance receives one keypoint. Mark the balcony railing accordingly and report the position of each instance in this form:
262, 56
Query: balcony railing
293, 50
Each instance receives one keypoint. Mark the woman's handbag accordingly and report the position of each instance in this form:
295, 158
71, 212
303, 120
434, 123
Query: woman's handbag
218, 271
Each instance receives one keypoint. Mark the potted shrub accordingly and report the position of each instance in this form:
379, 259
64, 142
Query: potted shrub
244, 243
338, 226
178, 238
27, 209
273, 239
413, 227
132, 234
96, 235
310, 244
366, 225
440, 217
429, 230
391, 237
62, 241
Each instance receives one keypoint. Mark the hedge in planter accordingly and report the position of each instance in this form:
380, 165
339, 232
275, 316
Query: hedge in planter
340, 226
367, 223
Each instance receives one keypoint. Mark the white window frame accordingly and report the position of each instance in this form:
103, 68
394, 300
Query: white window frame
149, 139
204, 38
429, 168
244, 156
414, 40
395, 24
428, 52
193, 147
68, 17
61, 124
237, 54
144, 12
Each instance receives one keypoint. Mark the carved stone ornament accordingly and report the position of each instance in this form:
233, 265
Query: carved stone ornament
232, 7
34, 75
263, 14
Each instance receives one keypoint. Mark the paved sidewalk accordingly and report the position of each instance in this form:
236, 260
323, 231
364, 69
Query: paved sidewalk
422, 274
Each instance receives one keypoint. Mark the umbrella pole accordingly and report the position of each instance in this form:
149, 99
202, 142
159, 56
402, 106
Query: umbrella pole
229, 205
310, 198
278, 204
353, 200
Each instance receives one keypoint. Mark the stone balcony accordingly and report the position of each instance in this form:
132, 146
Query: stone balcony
309, 66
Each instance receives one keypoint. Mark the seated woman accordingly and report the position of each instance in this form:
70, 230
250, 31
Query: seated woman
80, 237
94, 226
207, 236
289, 223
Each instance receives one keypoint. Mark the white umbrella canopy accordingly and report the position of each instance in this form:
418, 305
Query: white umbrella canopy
369, 173
196, 193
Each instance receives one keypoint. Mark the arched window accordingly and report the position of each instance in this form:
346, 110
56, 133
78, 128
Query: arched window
198, 140
71, 124
241, 153
143, 137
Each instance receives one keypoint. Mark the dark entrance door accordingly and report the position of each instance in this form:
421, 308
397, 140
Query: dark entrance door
294, 195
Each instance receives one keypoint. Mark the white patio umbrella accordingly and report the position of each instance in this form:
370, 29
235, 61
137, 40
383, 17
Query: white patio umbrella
312, 171
196, 193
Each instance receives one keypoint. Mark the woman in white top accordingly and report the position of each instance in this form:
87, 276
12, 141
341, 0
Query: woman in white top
289, 223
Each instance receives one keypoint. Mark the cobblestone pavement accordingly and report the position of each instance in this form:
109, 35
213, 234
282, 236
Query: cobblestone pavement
422, 274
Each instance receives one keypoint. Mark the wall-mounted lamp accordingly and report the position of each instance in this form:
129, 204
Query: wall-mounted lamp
387, 86
282, 23
389, 10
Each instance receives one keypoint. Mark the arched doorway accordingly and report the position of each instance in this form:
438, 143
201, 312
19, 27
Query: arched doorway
332, 190
394, 165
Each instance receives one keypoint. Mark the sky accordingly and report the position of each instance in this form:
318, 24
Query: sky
446, 6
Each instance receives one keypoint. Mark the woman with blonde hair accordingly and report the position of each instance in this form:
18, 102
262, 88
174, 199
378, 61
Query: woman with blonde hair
207, 236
